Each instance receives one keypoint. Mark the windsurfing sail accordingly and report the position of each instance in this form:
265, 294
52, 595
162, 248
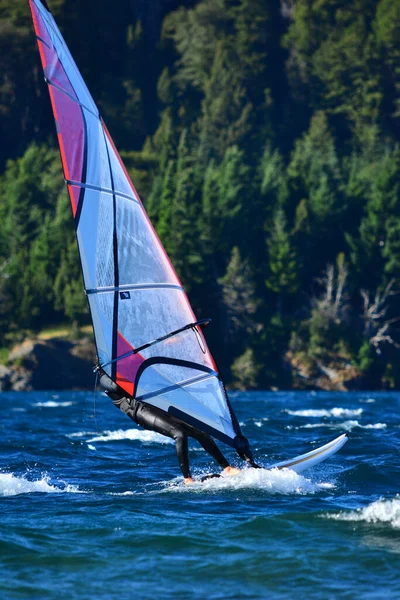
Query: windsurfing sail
147, 337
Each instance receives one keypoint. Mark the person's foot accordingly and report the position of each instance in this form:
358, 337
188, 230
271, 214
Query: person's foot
231, 471
188, 480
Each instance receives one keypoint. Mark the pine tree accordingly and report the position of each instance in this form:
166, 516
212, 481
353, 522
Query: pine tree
283, 271
316, 205
239, 297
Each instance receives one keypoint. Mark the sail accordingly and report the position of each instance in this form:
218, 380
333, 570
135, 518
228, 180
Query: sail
134, 294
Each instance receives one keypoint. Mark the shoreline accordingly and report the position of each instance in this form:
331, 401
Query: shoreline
55, 361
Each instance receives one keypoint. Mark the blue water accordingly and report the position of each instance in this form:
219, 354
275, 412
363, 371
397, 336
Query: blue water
93, 507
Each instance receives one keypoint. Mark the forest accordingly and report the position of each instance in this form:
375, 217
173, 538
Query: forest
263, 138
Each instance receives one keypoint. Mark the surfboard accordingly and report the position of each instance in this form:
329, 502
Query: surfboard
303, 461
310, 459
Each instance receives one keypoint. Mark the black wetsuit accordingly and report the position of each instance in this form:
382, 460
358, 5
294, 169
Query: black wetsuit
155, 419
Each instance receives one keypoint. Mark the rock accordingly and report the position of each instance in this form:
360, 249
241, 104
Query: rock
5, 374
334, 374
54, 364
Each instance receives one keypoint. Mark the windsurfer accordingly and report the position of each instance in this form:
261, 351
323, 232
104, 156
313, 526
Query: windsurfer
154, 419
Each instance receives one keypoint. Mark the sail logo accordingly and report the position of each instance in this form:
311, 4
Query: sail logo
124, 295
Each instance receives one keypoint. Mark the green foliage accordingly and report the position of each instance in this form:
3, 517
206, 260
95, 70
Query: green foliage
36, 227
240, 302
282, 259
246, 371
264, 140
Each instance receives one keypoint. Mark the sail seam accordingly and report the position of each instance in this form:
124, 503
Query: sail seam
116, 269
176, 386
84, 170
134, 286
51, 25
98, 188
43, 42
60, 89
157, 340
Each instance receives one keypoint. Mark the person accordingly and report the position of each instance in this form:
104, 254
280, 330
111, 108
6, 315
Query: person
155, 419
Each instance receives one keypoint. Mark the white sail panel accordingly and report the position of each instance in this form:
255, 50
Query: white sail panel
95, 238
196, 399
122, 185
98, 168
152, 313
139, 245
102, 316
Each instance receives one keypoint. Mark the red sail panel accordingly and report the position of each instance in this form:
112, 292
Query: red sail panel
128, 367
67, 112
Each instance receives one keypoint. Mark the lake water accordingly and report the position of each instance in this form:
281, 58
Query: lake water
91, 507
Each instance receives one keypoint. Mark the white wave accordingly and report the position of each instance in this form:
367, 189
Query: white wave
10, 485
345, 426
127, 493
273, 481
381, 511
327, 486
79, 434
131, 434
52, 404
322, 412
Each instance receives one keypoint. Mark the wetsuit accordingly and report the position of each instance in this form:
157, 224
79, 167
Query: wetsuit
155, 419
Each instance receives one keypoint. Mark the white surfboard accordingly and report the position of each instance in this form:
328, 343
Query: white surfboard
310, 459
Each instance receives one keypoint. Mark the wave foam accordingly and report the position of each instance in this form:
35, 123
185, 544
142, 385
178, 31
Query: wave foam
346, 425
381, 511
333, 412
131, 434
273, 481
79, 434
10, 485
52, 404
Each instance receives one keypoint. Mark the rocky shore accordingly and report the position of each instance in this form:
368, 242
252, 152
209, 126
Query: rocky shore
52, 364
62, 364
333, 374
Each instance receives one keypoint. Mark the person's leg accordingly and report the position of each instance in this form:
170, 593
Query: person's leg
155, 419
208, 444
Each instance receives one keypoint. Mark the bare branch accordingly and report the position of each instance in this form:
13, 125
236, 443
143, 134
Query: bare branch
377, 330
333, 303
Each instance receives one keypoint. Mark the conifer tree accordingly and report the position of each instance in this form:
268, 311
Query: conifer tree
239, 296
282, 277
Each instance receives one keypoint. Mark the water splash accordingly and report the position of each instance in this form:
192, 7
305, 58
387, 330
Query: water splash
11, 485
333, 412
131, 434
273, 481
381, 511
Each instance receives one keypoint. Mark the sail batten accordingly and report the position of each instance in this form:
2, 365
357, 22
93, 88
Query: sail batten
180, 384
43, 42
63, 91
98, 188
132, 287
133, 291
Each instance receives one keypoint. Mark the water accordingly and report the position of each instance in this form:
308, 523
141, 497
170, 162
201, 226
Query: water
94, 508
